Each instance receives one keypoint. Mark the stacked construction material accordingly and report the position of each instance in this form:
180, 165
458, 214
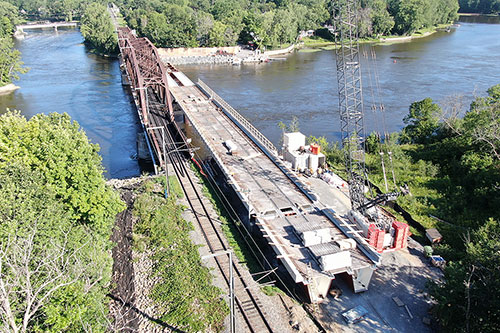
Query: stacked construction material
376, 237
401, 233
313, 232
331, 257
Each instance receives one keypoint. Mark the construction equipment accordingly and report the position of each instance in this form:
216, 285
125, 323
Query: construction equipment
365, 212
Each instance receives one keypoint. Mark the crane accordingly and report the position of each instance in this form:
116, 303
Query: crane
352, 118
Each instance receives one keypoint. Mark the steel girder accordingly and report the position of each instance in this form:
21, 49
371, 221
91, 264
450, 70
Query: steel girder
146, 71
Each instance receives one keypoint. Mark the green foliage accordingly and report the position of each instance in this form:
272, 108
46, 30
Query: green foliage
382, 21
183, 294
479, 6
98, 30
412, 15
56, 215
457, 179
469, 298
10, 58
10, 61
271, 290
8, 19
216, 34
332, 150
57, 148
421, 123
272, 24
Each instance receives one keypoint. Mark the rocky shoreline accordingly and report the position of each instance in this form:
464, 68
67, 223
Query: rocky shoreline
200, 60
7, 89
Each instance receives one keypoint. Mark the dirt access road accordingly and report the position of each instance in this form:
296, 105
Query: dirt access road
402, 274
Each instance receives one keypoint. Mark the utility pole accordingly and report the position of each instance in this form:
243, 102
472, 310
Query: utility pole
231, 284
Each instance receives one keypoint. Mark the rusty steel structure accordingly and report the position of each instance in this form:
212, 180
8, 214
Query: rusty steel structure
147, 77
147, 74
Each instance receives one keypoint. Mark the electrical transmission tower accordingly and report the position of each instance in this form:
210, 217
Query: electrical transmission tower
351, 99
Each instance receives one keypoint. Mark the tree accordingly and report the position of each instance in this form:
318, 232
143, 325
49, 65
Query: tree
382, 21
10, 61
410, 15
284, 29
98, 30
8, 19
480, 6
216, 35
422, 122
67, 161
468, 300
482, 122
56, 216
253, 29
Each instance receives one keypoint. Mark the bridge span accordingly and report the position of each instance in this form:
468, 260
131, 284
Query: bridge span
46, 25
310, 240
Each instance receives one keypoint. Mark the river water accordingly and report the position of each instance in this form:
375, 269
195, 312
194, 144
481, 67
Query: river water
65, 77
465, 61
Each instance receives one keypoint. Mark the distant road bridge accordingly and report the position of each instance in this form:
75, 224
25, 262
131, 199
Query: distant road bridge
46, 25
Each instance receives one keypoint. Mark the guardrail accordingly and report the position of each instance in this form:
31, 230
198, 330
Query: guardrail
239, 119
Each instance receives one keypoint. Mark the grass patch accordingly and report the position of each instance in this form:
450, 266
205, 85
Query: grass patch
329, 48
230, 227
183, 294
272, 290
430, 29
174, 186
309, 50
316, 41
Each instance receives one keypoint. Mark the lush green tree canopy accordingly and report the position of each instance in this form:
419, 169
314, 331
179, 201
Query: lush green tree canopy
175, 23
69, 164
10, 58
98, 30
480, 6
10, 61
422, 122
56, 215
469, 299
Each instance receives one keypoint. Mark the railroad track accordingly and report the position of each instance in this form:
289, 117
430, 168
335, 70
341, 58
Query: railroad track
247, 303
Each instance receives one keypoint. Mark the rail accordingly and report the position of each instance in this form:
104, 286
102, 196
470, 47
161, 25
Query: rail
239, 119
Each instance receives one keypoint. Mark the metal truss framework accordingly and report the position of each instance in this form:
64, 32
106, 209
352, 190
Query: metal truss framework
146, 72
351, 99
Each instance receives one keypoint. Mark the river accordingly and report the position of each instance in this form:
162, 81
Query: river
65, 77
463, 62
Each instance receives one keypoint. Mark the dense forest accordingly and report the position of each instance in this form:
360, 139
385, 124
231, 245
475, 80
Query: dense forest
480, 6
272, 23
56, 215
176, 23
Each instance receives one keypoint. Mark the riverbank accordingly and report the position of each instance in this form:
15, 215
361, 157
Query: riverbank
325, 44
9, 88
233, 55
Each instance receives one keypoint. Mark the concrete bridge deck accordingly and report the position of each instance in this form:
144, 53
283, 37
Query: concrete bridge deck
276, 203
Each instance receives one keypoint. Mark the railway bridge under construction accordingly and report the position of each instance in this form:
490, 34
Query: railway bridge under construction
313, 243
